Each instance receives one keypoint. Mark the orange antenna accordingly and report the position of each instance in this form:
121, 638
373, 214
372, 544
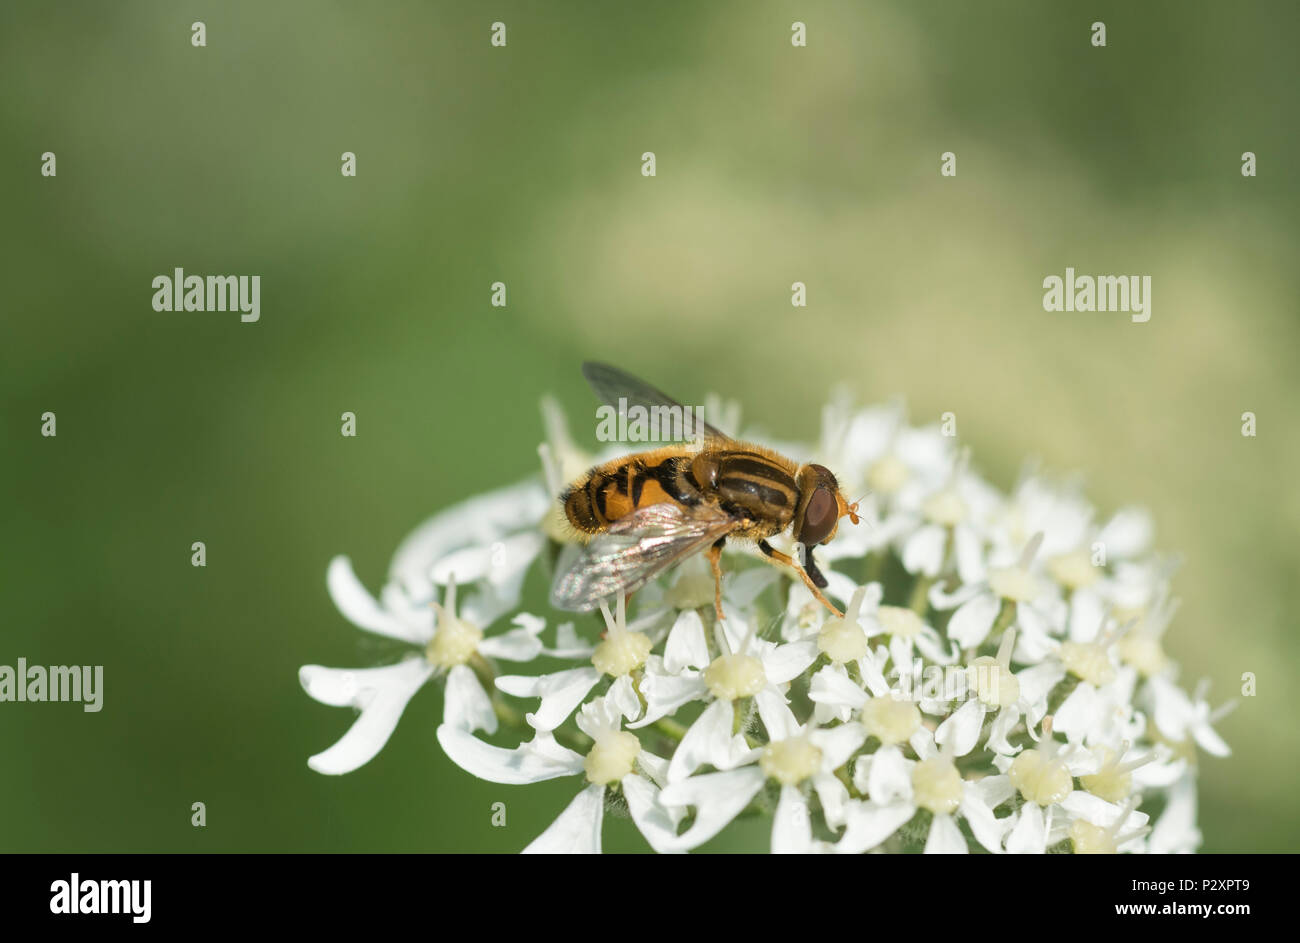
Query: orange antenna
852, 509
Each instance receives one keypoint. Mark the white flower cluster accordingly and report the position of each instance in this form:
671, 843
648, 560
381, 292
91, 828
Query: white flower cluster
997, 683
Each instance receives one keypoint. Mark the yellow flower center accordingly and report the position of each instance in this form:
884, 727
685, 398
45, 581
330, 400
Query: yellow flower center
735, 676
1088, 661
936, 785
1013, 582
842, 640
890, 721
611, 757
1074, 569
900, 622
887, 474
1111, 782
945, 507
790, 761
454, 642
1089, 839
693, 588
1143, 652
621, 653
993, 682
1040, 778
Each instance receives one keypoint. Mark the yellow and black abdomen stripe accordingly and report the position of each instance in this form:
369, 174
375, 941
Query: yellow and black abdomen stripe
616, 489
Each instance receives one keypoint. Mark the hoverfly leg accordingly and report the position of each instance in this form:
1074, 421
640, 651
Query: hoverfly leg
715, 557
786, 560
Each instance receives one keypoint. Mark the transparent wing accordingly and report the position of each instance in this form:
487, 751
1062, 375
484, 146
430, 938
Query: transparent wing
634, 549
612, 384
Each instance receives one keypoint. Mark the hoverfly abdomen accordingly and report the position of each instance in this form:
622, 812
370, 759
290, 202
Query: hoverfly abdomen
612, 491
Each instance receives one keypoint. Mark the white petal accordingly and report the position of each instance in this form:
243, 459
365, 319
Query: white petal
832, 685
484, 603
360, 608
839, 586
1173, 712
709, 740
1128, 533
465, 704
664, 693
733, 633
838, 744
655, 767
945, 837
786, 662
1029, 836
901, 650
791, 826
686, 646
577, 830
520, 643
717, 799
923, 552
560, 692
971, 623
1036, 684
1087, 609
623, 698
986, 827
969, 550
1158, 774
1090, 808
657, 823
1210, 741
834, 798
993, 790
533, 762
776, 714
481, 520
1034, 641
1079, 714
467, 565
964, 593
1000, 730
888, 778
499, 562
382, 695
922, 743
961, 731
568, 644
870, 823
747, 585
872, 668
1175, 832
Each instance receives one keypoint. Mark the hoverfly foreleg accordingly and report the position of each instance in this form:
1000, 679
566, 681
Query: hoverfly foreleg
786, 560
715, 556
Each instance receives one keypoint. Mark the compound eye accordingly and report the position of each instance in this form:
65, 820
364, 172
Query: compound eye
819, 517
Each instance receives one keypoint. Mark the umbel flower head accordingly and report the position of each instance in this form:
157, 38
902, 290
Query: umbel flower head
997, 683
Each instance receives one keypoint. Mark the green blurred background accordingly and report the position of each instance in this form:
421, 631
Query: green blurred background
522, 164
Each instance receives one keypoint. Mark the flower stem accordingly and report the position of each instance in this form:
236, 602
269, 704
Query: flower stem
920, 601
670, 728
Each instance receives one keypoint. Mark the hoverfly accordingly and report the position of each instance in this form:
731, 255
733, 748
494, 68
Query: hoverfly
646, 511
